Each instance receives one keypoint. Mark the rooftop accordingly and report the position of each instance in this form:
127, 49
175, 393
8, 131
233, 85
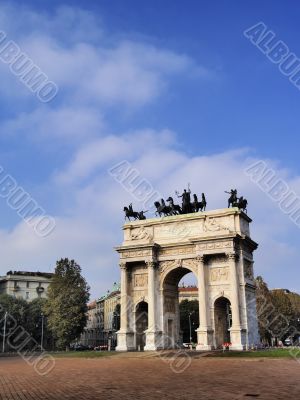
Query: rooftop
116, 288
188, 289
30, 273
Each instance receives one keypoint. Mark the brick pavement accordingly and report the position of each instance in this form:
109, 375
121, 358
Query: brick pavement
130, 377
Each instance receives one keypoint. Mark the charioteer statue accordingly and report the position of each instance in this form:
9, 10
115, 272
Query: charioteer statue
187, 205
186, 200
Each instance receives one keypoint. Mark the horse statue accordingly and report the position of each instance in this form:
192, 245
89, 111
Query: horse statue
129, 213
233, 199
141, 215
161, 208
199, 205
236, 201
175, 208
242, 204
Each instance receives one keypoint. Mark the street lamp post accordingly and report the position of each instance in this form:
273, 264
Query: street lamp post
4, 332
190, 325
42, 337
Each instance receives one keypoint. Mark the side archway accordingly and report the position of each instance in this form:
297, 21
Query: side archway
223, 321
141, 324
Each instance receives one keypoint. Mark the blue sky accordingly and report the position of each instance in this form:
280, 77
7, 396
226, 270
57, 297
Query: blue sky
173, 87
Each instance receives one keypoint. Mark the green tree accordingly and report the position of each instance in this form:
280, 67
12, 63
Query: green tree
264, 308
37, 321
283, 317
277, 311
187, 308
16, 317
66, 306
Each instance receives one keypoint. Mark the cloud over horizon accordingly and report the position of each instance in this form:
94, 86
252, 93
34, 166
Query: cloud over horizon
78, 137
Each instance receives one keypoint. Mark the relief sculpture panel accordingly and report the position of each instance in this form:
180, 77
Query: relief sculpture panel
219, 274
140, 280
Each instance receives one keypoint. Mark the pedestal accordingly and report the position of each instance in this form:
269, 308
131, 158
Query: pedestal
237, 342
204, 340
153, 341
125, 341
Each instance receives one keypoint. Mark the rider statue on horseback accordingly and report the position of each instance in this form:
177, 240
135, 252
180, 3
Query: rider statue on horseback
236, 201
129, 213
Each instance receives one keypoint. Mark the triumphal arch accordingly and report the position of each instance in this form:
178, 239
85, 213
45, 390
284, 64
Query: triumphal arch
155, 255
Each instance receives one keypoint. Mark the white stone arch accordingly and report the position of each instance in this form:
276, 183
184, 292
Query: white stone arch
139, 300
224, 333
171, 265
175, 270
141, 321
219, 295
153, 249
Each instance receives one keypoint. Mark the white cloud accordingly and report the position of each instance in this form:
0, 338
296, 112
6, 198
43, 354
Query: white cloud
108, 150
70, 123
88, 65
99, 77
95, 202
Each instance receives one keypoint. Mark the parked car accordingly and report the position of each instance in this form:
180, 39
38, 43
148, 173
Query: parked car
80, 347
101, 348
189, 345
288, 342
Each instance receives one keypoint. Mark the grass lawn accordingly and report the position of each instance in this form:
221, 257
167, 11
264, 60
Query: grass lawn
274, 353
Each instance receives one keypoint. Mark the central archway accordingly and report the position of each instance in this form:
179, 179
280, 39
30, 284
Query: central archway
172, 329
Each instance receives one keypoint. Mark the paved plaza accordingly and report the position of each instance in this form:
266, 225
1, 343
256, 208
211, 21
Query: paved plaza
151, 377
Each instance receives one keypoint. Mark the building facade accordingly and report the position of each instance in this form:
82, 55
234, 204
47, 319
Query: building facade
103, 320
91, 331
187, 293
112, 310
25, 285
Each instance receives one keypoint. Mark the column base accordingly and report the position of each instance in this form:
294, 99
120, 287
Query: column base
125, 341
238, 339
204, 339
203, 347
153, 341
237, 347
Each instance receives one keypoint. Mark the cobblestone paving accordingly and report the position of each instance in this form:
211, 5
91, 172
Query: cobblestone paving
121, 377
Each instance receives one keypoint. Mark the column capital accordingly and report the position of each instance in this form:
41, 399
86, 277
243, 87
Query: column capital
232, 256
123, 265
151, 264
201, 258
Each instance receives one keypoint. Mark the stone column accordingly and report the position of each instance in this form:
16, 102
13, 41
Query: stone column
203, 338
151, 333
151, 295
124, 299
236, 329
124, 335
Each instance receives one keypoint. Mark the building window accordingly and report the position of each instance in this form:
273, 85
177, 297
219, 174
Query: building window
27, 284
27, 295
